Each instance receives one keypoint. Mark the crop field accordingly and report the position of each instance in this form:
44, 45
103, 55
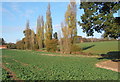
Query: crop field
33, 65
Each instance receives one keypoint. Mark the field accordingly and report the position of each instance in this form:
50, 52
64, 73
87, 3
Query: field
100, 47
33, 65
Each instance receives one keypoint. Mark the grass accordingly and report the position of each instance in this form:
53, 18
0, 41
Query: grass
100, 47
31, 65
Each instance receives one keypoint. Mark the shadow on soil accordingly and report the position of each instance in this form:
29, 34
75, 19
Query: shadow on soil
85, 48
114, 56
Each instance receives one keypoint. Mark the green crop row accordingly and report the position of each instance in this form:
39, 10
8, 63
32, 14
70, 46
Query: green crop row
31, 65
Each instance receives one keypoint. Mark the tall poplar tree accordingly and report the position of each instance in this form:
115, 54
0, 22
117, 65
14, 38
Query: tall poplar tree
66, 45
48, 26
70, 19
69, 28
40, 32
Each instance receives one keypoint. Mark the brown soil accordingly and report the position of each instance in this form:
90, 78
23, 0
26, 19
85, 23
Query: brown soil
10, 73
114, 66
4, 56
24, 64
77, 53
69, 55
20, 62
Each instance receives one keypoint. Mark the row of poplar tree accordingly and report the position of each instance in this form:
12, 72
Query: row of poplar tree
43, 37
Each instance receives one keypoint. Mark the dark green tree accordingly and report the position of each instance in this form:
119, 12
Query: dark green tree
55, 35
2, 41
98, 16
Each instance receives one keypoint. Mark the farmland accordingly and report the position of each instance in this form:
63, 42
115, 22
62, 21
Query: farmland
100, 47
33, 65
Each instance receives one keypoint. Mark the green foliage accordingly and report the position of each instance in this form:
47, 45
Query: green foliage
5, 75
51, 45
99, 17
55, 35
42, 67
2, 41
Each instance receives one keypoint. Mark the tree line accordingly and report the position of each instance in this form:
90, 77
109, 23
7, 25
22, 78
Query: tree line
96, 17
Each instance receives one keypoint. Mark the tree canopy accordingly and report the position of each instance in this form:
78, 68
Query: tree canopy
98, 16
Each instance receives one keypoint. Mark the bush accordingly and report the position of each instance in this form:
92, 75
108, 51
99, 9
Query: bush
51, 45
36, 46
75, 48
11, 46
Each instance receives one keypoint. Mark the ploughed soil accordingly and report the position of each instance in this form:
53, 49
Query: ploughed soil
110, 65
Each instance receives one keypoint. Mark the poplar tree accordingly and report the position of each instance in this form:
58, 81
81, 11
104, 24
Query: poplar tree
70, 19
48, 26
27, 34
69, 28
66, 40
40, 32
32, 40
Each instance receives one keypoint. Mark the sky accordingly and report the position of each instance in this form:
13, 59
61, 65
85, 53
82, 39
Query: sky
15, 15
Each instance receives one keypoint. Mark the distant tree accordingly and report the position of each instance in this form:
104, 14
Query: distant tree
98, 16
48, 26
70, 19
66, 40
55, 35
52, 45
40, 32
60, 42
27, 33
11, 46
2, 41
32, 40
69, 28
20, 44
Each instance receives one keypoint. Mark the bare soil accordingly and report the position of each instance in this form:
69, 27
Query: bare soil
110, 65
69, 55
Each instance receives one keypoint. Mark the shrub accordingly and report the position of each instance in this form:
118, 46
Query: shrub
51, 45
36, 46
11, 46
75, 48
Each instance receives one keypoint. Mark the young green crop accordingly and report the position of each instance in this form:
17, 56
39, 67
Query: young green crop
31, 65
